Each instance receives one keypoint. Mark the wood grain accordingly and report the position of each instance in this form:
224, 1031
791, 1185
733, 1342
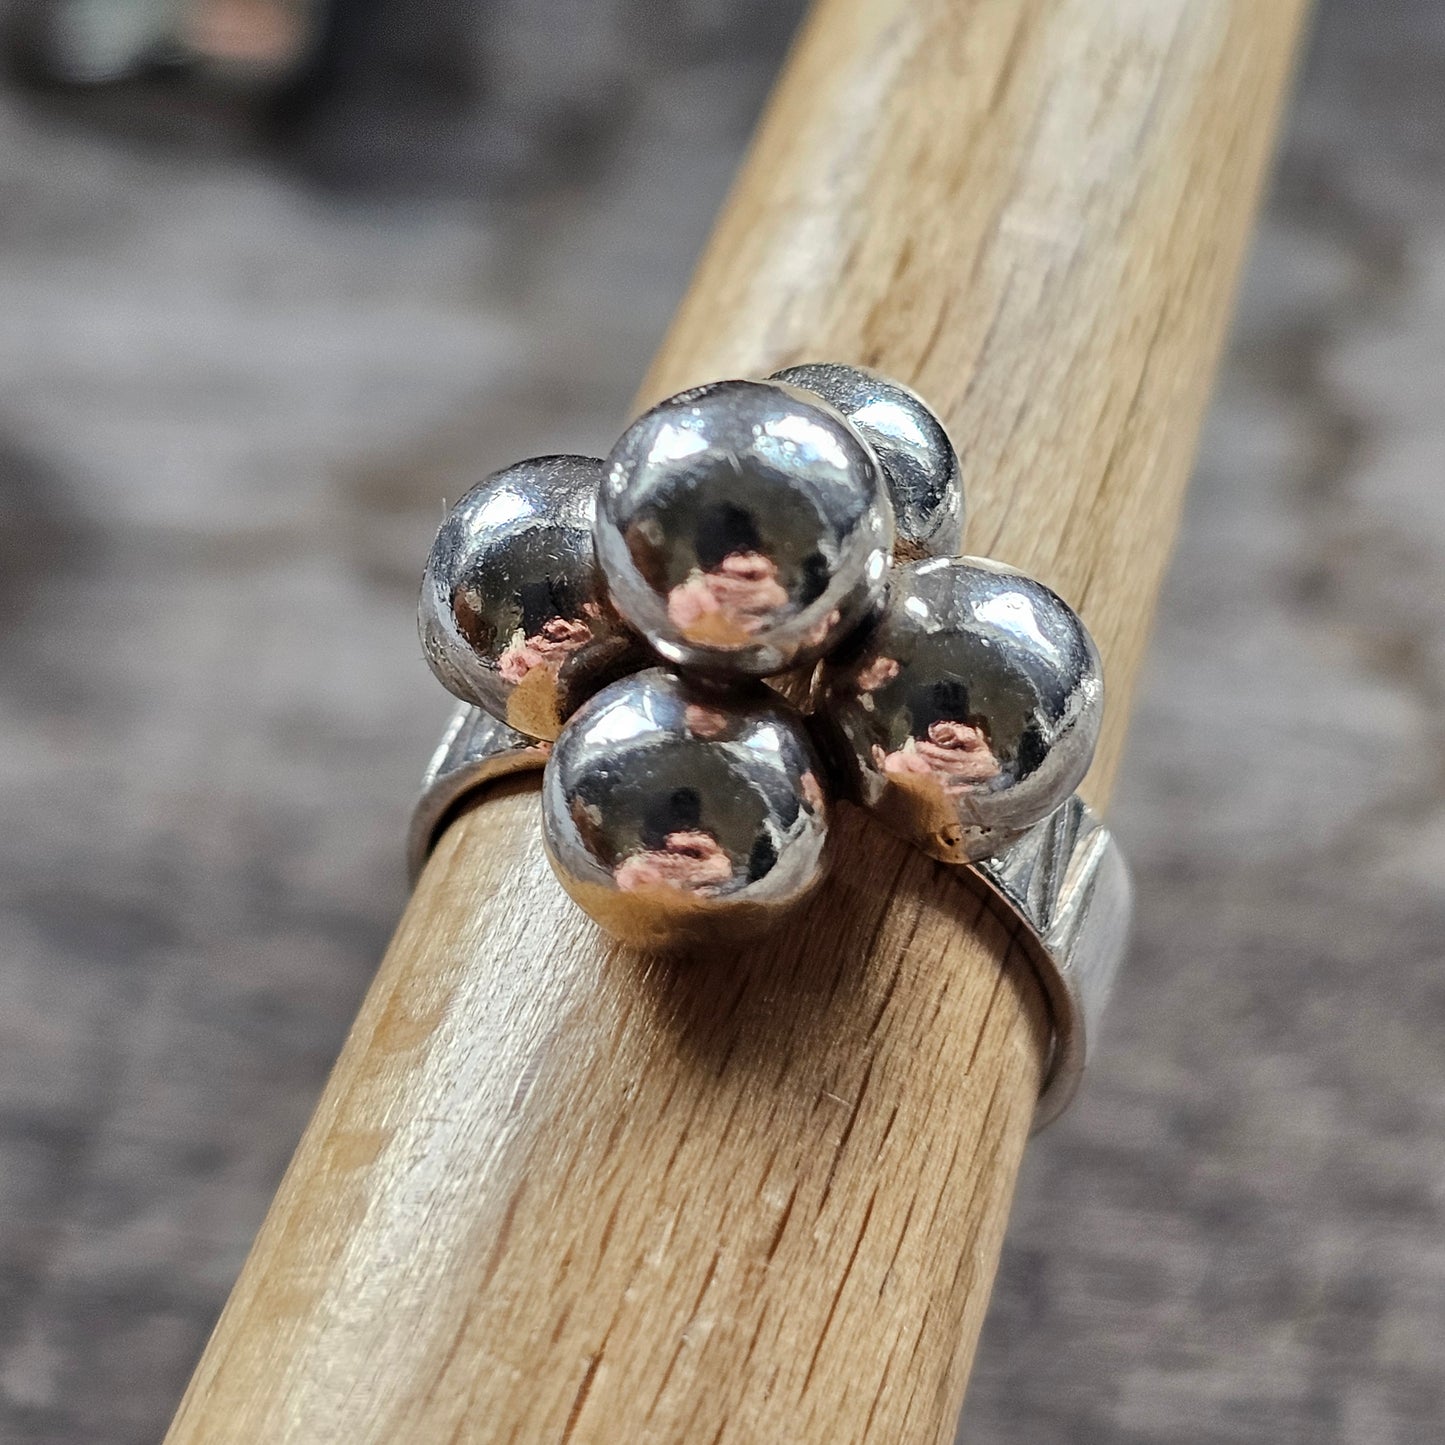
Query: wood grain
556, 1190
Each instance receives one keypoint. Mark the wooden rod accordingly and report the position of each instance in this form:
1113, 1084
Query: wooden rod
558, 1191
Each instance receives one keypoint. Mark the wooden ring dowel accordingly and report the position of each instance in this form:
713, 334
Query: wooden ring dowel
558, 1191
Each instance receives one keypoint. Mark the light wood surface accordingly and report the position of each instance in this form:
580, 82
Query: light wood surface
556, 1191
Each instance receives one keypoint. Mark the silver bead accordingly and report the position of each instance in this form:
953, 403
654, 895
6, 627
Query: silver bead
744, 527
675, 812
918, 459
971, 711
514, 615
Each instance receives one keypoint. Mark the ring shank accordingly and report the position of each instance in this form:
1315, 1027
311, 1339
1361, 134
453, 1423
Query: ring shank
1067, 884
1064, 883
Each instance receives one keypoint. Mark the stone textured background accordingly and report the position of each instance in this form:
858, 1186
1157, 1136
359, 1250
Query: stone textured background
229, 407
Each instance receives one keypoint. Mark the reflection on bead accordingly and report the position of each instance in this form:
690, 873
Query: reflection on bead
513, 614
971, 711
676, 812
744, 527
909, 440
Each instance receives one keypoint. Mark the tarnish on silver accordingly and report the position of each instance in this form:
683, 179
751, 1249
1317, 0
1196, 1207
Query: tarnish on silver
677, 813
909, 440
969, 711
514, 612
1067, 883
744, 527
475, 749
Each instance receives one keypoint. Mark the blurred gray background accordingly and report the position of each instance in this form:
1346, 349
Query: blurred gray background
250, 340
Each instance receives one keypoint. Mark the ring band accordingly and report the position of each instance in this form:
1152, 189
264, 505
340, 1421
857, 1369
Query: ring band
1064, 882
1067, 884
474, 749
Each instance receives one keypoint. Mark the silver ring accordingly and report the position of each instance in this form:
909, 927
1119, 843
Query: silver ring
803, 527
1064, 882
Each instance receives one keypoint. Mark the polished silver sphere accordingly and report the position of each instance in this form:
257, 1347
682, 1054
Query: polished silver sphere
919, 461
970, 712
677, 813
744, 527
514, 615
